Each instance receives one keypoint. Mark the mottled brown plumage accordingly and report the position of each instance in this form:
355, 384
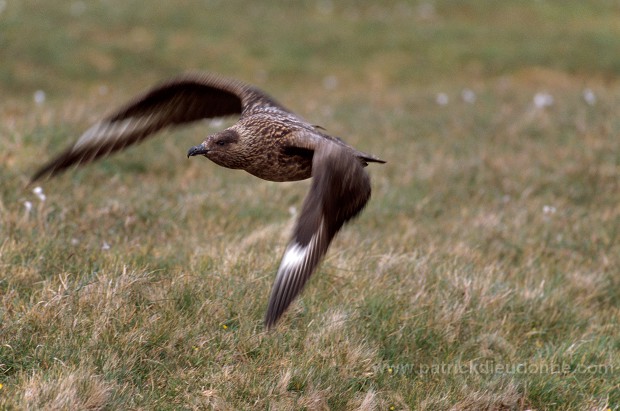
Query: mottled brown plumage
268, 141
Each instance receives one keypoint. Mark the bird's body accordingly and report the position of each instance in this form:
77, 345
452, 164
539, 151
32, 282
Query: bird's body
268, 141
276, 147
268, 152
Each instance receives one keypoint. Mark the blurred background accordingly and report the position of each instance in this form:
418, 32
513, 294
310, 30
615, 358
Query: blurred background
66, 46
492, 232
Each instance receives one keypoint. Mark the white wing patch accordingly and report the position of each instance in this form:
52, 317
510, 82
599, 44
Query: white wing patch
297, 265
297, 257
90, 136
105, 131
294, 256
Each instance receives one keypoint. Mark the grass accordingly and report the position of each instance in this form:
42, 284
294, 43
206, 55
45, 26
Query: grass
482, 275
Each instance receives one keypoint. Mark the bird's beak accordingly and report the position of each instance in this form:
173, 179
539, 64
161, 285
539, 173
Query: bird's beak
197, 150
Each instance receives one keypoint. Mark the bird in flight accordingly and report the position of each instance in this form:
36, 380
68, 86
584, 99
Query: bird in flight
268, 141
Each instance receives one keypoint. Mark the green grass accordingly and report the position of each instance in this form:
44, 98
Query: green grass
484, 273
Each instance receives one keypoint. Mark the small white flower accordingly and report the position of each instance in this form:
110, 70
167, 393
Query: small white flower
547, 209
105, 246
442, 99
28, 206
292, 211
39, 97
589, 97
468, 96
75, 241
38, 191
216, 123
543, 99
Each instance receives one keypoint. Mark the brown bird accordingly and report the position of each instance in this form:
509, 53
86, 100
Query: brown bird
268, 141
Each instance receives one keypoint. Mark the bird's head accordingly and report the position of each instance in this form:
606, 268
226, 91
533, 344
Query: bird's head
223, 148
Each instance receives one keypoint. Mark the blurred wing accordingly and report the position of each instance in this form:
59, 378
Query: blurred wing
340, 189
179, 101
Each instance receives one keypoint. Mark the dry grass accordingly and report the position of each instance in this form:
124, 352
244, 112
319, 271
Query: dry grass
482, 275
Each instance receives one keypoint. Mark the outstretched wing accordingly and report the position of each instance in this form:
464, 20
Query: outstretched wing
179, 101
340, 189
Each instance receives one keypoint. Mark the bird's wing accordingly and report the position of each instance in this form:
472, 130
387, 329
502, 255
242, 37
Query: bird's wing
340, 189
179, 101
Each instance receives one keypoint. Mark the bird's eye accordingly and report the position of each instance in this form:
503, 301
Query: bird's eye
221, 143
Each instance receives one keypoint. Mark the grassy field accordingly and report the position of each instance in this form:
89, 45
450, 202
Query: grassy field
484, 273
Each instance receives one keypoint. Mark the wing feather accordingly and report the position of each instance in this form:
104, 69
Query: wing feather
179, 101
340, 189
